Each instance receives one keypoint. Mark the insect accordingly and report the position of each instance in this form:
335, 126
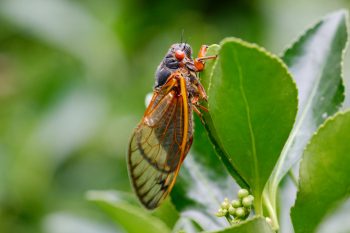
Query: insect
162, 139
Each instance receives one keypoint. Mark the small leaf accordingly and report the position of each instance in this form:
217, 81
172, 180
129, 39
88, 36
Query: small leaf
324, 174
132, 218
315, 61
252, 102
256, 225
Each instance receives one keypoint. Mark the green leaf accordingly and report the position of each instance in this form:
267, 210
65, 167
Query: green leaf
186, 225
256, 225
338, 221
205, 79
132, 218
315, 60
203, 183
252, 102
324, 174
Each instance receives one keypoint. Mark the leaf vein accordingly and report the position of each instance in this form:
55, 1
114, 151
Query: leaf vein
249, 121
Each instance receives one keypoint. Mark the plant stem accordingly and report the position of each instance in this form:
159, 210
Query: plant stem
258, 204
228, 218
270, 194
272, 211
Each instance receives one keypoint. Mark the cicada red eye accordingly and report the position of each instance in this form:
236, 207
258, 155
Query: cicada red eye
180, 55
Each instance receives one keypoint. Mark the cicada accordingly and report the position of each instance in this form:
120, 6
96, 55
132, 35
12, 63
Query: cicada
161, 141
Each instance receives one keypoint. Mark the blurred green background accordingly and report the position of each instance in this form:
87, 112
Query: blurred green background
73, 77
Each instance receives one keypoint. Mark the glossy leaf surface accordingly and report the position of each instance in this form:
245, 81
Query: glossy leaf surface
324, 174
252, 102
315, 60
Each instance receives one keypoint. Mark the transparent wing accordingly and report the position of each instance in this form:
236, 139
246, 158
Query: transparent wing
157, 147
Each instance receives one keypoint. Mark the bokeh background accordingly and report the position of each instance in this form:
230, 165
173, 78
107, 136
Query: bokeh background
73, 77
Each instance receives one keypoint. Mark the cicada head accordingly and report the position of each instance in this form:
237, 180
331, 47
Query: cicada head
181, 48
177, 56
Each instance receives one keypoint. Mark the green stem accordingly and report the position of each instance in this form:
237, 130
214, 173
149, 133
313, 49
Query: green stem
272, 189
272, 197
270, 201
228, 218
258, 204
272, 211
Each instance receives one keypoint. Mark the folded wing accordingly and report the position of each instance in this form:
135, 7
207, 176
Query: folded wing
156, 147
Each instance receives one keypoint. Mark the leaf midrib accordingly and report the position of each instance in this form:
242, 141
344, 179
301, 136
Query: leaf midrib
240, 179
254, 165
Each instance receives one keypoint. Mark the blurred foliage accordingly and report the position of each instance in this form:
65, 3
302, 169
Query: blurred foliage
73, 76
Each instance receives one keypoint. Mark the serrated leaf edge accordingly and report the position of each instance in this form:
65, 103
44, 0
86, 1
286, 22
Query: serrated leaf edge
271, 56
277, 177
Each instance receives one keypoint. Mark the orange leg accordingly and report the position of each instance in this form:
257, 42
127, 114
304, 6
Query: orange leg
207, 58
200, 60
200, 115
202, 93
202, 107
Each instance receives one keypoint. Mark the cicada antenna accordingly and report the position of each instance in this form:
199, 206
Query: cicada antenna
185, 43
187, 39
182, 35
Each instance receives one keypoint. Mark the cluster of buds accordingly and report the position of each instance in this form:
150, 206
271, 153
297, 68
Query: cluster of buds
237, 210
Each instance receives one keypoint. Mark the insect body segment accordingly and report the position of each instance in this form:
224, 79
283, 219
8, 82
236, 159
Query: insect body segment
164, 136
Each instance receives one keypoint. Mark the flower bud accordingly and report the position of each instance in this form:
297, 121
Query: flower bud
268, 220
218, 214
221, 213
242, 193
248, 201
240, 212
235, 221
252, 197
236, 203
225, 205
232, 210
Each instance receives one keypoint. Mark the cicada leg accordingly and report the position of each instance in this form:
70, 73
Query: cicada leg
200, 115
201, 91
202, 107
200, 60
